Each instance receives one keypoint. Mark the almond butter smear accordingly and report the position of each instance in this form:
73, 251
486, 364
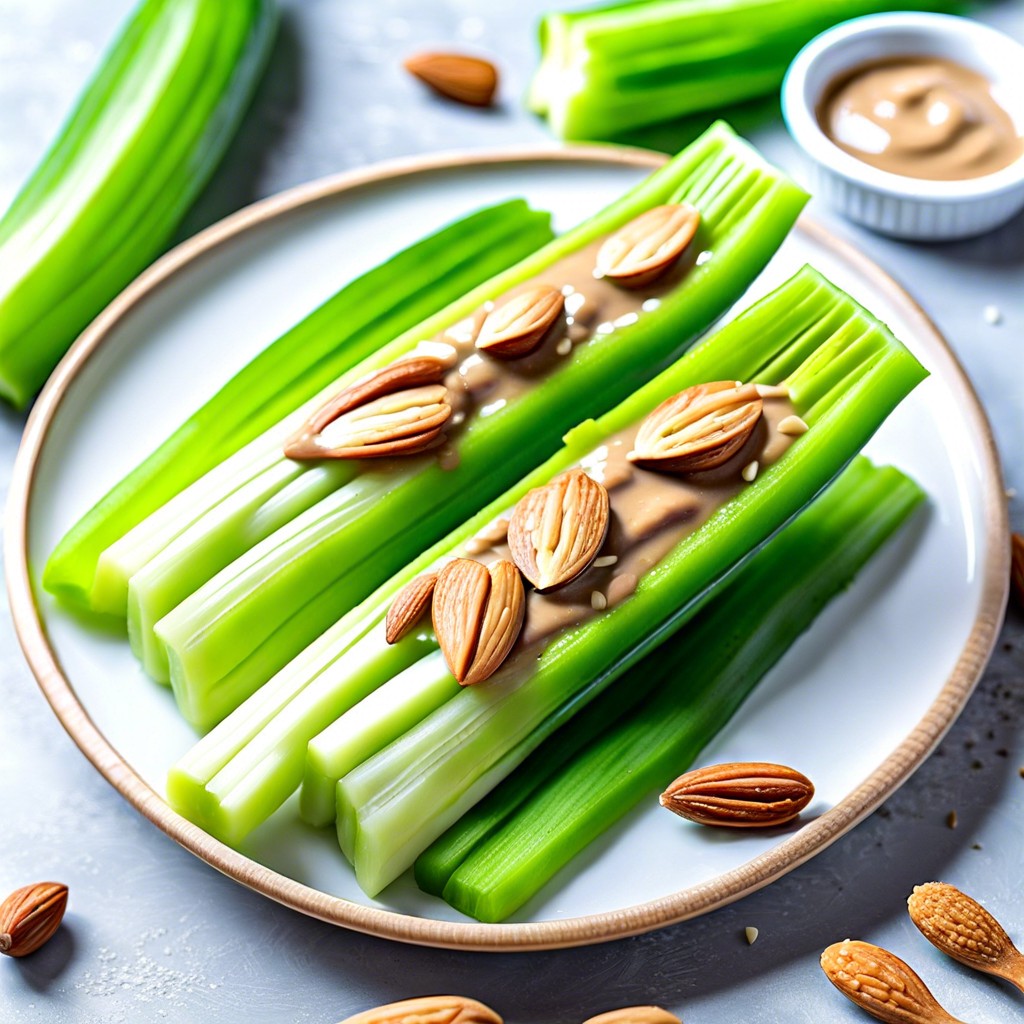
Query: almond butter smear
922, 117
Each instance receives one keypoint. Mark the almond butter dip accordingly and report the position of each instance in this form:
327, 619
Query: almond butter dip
922, 117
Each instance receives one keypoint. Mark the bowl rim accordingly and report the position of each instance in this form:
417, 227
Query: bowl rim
802, 121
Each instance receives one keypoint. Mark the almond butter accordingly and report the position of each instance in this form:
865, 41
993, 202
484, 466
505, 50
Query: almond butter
428, 1010
30, 916
700, 428
753, 794
556, 531
648, 246
477, 613
882, 984
408, 607
456, 76
1017, 567
963, 929
517, 325
635, 1015
397, 410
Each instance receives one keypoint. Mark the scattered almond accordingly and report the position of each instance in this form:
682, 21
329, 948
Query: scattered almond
428, 1010
882, 984
478, 613
648, 246
635, 1015
397, 410
408, 607
456, 76
1017, 567
698, 429
962, 928
517, 325
30, 916
556, 531
740, 795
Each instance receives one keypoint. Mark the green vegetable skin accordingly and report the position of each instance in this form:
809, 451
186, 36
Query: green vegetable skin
349, 326
231, 634
845, 373
103, 203
611, 69
591, 772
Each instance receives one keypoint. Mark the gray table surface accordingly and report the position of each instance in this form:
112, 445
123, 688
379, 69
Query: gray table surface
154, 934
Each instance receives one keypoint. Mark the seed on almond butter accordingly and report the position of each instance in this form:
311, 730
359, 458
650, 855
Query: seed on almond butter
517, 325
635, 1015
740, 795
408, 607
792, 426
882, 984
428, 1010
698, 429
556, 531
30, 916
1017, 567
963, 929
397, 410
477, 613
456, 76
648, 246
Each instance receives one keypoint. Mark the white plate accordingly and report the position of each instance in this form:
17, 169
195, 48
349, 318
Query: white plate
856, 705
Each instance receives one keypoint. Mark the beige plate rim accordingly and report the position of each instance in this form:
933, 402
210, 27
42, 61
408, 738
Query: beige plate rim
679, 906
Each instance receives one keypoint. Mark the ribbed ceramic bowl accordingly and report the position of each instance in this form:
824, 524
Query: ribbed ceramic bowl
895, 204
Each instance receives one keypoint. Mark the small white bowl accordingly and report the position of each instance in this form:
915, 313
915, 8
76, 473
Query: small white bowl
895, 204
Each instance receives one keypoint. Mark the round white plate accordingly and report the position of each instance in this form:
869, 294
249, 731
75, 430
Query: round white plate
856, 705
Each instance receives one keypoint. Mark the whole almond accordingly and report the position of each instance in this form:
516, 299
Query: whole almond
469, 80
30, 916
428, 1010
408, 607
882, 984
648, 246
397, 410
477, 613
751, 794
700, 428
1017, 567
556, 531
635, 1015
517, 325
963, 929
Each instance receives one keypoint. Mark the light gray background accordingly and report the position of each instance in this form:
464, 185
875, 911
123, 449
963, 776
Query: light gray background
154, 934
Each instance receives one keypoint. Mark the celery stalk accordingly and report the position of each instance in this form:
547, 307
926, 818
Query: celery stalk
350, 325
507, 848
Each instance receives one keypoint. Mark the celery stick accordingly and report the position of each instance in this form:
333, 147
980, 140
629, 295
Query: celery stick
506, 849
396, 803
363, 315
286, 590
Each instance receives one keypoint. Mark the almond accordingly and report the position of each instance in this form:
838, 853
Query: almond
397, 410
469, 80
635, 1015
1017, 567
478, 613
517, 325
408, 607
962, 928
30, 916
698, 429
556, 531
882, 984
648, 246
428, 1010
753, 794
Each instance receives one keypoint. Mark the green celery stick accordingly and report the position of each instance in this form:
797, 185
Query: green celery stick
362, 316
602, 763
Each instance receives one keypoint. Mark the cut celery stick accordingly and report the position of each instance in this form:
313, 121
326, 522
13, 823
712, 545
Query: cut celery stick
508, 846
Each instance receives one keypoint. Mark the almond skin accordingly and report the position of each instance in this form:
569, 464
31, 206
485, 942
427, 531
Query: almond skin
428, 1010
517, 325
701, 428
408, 607
556, 531
469, 80
635, 1015
752, 794
648, 246
882, 984
477, 613
30, 916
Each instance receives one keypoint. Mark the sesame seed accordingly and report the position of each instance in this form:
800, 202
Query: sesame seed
792, 426
751, 933
598, 601
564, 347
993, 315
749, 471
605, 560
